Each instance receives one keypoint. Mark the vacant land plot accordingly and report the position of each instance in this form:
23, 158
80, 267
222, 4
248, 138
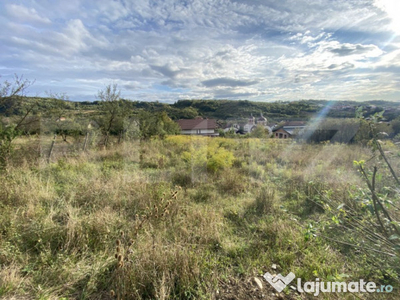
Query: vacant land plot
194, 218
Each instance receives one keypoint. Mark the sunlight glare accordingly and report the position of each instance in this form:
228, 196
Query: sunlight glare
392, 8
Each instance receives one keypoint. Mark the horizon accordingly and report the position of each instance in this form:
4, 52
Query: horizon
230, 50
172, 101
176, 101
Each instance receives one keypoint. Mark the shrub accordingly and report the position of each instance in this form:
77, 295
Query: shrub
264, 203
220, 160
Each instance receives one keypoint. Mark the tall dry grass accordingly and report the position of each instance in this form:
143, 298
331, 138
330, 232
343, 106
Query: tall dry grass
60, 220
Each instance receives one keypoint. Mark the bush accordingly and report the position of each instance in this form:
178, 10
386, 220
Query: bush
220, 160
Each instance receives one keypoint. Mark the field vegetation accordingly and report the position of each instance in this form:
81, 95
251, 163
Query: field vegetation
118, 206
189, 218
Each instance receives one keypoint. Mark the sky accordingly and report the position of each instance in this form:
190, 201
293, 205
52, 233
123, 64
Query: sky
259, 50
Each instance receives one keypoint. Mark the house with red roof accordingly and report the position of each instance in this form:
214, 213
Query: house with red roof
198, 126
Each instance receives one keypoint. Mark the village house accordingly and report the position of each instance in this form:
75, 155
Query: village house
198, 126
288, 129
248, 127
281, 134
233, 127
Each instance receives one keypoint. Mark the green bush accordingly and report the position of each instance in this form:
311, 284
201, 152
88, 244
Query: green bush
219, 160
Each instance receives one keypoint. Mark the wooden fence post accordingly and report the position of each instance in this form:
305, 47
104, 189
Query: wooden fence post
51, 148
86, 140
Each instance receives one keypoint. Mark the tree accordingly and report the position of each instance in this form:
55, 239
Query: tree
260, 132
62, 121
385, 213
11, 94
113, 112
396, 126
189, 113
156, 124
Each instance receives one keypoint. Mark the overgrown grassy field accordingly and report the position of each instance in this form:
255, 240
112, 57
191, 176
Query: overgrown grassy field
187, 218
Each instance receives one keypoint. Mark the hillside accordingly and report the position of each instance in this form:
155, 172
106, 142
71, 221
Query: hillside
221, 109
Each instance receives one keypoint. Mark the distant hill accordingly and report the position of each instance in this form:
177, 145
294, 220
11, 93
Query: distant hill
222, 109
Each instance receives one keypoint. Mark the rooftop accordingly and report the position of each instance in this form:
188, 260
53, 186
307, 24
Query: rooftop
188, 124
295, 123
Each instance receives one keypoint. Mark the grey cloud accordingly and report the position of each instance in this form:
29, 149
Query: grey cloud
177, 84
176, 76
341, 66
231, 94
228, 82
165, 70
132, 86
346, 50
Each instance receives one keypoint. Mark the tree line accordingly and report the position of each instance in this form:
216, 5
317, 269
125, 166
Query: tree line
112, 117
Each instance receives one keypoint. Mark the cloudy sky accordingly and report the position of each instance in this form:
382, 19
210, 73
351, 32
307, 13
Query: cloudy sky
261, 50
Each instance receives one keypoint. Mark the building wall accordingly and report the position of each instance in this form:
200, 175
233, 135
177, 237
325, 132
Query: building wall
206, 131
248, 127
186, 131
198, 131
281, 134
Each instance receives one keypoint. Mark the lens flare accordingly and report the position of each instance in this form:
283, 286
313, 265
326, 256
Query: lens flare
392, 9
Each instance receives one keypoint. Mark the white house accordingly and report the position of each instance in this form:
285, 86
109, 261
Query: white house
198, 126
252, 123
248, 127
232, 127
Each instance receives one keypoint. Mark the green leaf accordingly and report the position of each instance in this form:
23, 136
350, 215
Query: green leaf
359, 112
335, 220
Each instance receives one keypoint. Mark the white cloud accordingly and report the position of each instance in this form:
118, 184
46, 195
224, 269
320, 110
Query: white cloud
230, 49
25, 15
392, 8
